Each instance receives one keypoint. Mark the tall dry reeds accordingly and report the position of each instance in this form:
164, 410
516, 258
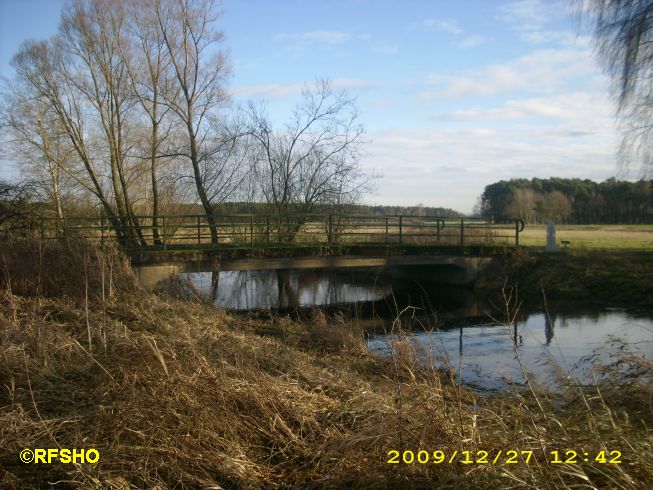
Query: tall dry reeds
179, 395
67, 266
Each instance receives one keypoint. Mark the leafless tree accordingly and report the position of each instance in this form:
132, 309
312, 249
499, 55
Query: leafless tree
43, 68
130, 96
228, 164
36, 141
93, 32
197, 77
312, 162
623, 31
147, 61
133, 86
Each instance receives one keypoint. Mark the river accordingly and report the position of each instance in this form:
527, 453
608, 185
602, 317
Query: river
564, 344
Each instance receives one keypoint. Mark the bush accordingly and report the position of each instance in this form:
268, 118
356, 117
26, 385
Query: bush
69, 266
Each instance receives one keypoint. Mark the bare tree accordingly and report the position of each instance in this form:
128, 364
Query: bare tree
314, 161
227, 164
522, 204
43, 68
147, 61
93, 32
37, 141
197, 75
623, 31
134, 85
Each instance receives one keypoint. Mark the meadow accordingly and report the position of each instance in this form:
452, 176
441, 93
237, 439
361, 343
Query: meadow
616, 237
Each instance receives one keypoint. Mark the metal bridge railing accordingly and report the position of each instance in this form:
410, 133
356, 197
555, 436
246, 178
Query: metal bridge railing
269, 231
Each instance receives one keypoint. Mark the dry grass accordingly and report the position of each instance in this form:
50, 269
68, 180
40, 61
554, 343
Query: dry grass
179, 395
65, 267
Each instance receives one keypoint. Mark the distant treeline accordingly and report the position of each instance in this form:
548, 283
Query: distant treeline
572, 201
353, 209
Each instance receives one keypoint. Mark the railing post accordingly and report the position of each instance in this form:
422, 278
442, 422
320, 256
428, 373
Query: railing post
199, 236
267, 228
165, 232
386, 229
251, 231
330, 230
401, 230
462, 232
519, 227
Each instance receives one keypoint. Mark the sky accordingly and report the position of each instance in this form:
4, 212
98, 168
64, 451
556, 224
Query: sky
454, 95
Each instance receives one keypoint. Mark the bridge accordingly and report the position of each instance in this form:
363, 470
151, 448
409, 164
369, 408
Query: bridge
454, 250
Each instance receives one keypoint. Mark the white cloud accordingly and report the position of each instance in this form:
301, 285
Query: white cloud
541, 71
527, 14
382, 103
328, 37
450, 167
567, 133
442, 25
529, 18
277, 90
384, 47
472, 41
332, 38
545, 37
587, 109
452, 27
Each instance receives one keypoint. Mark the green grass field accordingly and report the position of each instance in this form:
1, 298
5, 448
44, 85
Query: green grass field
622, 237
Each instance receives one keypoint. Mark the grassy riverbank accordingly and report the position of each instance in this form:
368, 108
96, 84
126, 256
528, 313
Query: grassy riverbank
611, 278
177, 394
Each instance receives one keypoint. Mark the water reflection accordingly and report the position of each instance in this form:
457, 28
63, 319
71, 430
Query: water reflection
549, 325
272, 289
459, 334
553, 349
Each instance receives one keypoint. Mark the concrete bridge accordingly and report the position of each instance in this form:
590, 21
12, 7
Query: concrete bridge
451, 266
437, 249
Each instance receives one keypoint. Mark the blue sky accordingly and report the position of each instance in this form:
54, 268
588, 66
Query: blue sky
454, 95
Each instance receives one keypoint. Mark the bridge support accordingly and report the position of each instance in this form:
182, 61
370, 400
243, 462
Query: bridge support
152, 276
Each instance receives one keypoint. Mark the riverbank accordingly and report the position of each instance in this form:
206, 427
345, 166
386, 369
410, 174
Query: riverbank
178, 394
610, 278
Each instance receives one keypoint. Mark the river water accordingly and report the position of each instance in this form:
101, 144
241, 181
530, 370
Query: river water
565, 343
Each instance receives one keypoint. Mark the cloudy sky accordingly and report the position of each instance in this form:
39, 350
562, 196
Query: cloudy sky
454, 95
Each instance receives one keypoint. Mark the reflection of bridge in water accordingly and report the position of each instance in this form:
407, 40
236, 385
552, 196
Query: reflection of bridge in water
370, 292
457, 267
427, 248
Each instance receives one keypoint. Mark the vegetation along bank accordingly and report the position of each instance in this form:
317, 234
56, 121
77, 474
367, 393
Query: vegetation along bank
175, 394
616, 278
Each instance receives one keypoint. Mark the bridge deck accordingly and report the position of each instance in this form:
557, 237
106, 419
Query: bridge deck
233, 255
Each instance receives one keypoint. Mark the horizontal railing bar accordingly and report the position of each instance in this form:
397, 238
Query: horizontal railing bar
248, 230
272, 215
